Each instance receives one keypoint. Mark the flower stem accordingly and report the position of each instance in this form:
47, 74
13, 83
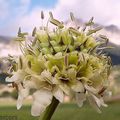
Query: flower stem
50, 109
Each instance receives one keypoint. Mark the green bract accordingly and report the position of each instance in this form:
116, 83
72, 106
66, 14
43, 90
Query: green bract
63, 61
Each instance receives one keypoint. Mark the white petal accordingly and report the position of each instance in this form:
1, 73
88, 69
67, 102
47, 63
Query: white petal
78, 87
99, 101
29, 84
17, 76
72, 73
35, 83
46, 76
93, 103
58, 94
80, 98
19, 102
37, 77
37, 109
42, 98
65, 89
90, 89
55, 81
30, 71
103, 104
23, 93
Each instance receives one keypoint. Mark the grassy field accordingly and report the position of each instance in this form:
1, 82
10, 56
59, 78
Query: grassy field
66, 112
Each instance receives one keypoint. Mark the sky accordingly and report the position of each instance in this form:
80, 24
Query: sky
26, 13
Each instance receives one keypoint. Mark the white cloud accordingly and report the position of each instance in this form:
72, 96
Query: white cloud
105, 12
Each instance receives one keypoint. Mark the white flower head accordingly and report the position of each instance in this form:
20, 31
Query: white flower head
64, 61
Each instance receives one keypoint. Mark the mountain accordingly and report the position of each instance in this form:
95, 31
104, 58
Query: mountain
112, 29
113, 33
8, 46
5, 39
114, 53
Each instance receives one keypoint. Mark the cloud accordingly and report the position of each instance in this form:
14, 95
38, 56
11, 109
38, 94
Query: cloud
105, 12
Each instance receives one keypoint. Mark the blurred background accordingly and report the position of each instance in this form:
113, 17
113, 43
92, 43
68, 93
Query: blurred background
26, 14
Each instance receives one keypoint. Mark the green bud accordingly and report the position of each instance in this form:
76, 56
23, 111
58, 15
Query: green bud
57, 23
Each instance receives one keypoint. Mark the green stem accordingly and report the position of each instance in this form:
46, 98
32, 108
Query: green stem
50, 109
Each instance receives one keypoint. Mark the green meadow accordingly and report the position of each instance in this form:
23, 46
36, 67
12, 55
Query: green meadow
65, 112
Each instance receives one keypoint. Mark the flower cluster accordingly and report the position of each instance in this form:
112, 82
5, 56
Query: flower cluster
63, 61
